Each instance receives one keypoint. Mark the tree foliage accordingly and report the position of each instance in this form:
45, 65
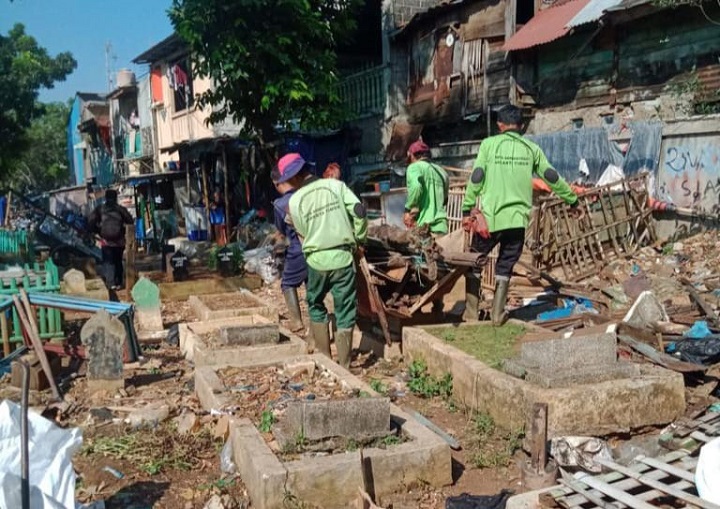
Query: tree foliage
271, 61
706, 7
44, 165
25, 68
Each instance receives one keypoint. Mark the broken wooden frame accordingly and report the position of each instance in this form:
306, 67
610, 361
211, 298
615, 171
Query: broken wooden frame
650, 482
617, 222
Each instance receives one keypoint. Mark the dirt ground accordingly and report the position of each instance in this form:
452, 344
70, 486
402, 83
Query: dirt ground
158, 466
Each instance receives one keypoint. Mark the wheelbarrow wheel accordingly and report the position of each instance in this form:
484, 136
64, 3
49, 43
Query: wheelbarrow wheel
61, 256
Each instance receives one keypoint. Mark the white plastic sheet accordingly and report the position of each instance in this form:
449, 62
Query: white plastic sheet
52, 478
707, 473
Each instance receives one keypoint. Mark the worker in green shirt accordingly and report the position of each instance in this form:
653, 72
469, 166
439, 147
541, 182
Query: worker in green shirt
427, 189
502, 178
331, 223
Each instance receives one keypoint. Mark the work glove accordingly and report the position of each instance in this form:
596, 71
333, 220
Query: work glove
480, 224
576, 211
409, 219
468, 223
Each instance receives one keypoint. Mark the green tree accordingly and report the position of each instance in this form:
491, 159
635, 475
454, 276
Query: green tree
271, 61
25, 68
44, 165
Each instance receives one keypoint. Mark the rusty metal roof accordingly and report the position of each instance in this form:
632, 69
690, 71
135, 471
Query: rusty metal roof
546, 26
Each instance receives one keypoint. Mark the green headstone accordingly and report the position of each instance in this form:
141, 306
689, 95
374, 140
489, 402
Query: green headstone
146, 294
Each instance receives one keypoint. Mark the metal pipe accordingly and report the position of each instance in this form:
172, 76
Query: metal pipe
24, 438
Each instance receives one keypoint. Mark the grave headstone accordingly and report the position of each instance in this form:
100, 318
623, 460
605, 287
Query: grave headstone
104, 337
179, 263
146, 296
226, 262
75, 282
249, 335
358, 418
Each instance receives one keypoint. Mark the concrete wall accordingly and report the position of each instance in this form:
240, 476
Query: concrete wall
689, 174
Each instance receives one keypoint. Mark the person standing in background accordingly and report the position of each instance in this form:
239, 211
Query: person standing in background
427, 187
108, 220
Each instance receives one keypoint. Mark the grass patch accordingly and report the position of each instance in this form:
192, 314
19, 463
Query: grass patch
378, 386
158, 450
491, 446
491, 345
423, 384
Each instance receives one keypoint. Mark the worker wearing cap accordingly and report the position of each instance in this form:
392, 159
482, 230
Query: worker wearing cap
427, 189
294, 269
331, 223
502, 178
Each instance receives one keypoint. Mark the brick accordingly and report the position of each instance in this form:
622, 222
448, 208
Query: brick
250, 335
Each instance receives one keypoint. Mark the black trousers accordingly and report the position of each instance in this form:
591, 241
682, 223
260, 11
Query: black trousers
511, 246
112, 260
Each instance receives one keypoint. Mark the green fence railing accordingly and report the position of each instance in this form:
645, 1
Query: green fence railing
16, 245
39, 277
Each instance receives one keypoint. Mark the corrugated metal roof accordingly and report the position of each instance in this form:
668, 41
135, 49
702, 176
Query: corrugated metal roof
545, 26
593, 11
628, 4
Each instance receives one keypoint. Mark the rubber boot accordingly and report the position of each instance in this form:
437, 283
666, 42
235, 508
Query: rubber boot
293, 306
498, 306
343, 343
321, 337
472, 297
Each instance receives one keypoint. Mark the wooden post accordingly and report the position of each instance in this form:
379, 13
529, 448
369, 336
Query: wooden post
5, 331
8, 209
130, 249
206, 198
538, 437
227, 194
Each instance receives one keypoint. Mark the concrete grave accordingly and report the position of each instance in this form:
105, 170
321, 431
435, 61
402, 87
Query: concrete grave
148, 311
329, 481
104, 338
653, 396
588, 355
183, 290
250, 335
227, 305
201, 343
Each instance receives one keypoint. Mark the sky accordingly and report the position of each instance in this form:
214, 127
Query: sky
84, 27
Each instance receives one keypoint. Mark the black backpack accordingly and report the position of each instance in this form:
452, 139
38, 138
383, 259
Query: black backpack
112, 226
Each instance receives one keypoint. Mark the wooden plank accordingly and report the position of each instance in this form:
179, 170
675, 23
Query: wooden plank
623, 482
374, 295
612, 492
538, 437
679, 494
5, 331
675, 471
570, 482
660, 358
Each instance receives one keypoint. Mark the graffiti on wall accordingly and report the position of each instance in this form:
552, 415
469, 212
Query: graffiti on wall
689, 177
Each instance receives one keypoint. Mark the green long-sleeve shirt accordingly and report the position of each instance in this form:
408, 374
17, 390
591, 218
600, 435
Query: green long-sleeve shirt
331, 221
502, 177
427, 188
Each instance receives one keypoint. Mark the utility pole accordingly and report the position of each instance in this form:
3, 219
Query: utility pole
108, 68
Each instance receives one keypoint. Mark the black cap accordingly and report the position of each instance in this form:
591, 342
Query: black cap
510, 115
111, 195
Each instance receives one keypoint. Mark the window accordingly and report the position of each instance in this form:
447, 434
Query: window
180, 79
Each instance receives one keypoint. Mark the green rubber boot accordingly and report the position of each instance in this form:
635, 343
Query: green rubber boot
472, 297
498, 306
293, 306
321, 337
343, 343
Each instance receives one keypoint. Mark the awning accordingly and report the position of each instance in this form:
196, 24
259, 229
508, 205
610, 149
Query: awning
592, 12
546, 26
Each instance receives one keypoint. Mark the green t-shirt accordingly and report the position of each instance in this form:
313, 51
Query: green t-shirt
331, 222
508, 162
427, 188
